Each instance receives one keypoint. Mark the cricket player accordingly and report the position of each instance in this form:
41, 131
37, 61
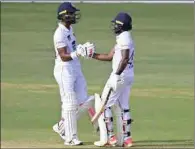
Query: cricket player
68, 73
117, 88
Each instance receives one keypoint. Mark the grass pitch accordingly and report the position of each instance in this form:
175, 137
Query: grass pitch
162, 95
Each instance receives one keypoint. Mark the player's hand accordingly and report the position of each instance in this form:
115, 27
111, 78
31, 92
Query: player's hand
115, 82
80, 51
89, 49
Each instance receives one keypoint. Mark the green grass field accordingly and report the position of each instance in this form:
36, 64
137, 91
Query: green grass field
162, 95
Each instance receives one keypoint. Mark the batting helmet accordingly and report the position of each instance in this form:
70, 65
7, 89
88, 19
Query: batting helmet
122, 22
68, 13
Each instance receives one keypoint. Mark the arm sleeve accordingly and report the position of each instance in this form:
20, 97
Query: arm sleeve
60, 41
123, 42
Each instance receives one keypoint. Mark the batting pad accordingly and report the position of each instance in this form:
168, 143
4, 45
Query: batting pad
101, 122
119, 123
69, 106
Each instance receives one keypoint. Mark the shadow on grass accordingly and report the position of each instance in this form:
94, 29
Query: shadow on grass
164, 143
161, 141
157, 144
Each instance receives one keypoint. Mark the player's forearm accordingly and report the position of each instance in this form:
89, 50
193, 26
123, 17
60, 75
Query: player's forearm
122, 65
102, 57
66, 57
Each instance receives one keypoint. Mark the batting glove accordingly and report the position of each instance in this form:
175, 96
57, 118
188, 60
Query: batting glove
115, 82
89, 49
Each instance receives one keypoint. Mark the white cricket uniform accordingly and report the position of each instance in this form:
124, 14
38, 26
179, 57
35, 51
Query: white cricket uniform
68, 74
121, 96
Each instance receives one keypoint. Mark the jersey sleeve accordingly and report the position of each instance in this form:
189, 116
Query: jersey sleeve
59, 40
123, 42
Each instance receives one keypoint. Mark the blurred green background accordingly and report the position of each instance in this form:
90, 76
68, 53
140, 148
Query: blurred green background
162, 95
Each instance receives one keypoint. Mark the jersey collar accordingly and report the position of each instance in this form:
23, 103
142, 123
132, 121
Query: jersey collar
64, 27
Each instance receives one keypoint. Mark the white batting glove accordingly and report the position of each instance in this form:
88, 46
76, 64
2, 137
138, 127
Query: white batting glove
115, 82
80, 50
89, 49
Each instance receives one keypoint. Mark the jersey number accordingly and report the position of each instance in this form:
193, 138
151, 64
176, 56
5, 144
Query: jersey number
131, 60
74, 45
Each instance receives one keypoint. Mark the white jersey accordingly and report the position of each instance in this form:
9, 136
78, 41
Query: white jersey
124, 41
64, 37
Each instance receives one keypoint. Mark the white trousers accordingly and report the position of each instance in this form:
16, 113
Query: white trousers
120, 96
71, 80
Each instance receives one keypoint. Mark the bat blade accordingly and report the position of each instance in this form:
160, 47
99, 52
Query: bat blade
102, 107
98, 113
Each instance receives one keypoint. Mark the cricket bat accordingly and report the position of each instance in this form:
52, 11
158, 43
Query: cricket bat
102, 107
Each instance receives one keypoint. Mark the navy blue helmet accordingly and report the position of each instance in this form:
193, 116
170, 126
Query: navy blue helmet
68, 13
122, 22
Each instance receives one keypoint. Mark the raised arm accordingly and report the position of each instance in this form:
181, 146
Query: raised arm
104, 57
